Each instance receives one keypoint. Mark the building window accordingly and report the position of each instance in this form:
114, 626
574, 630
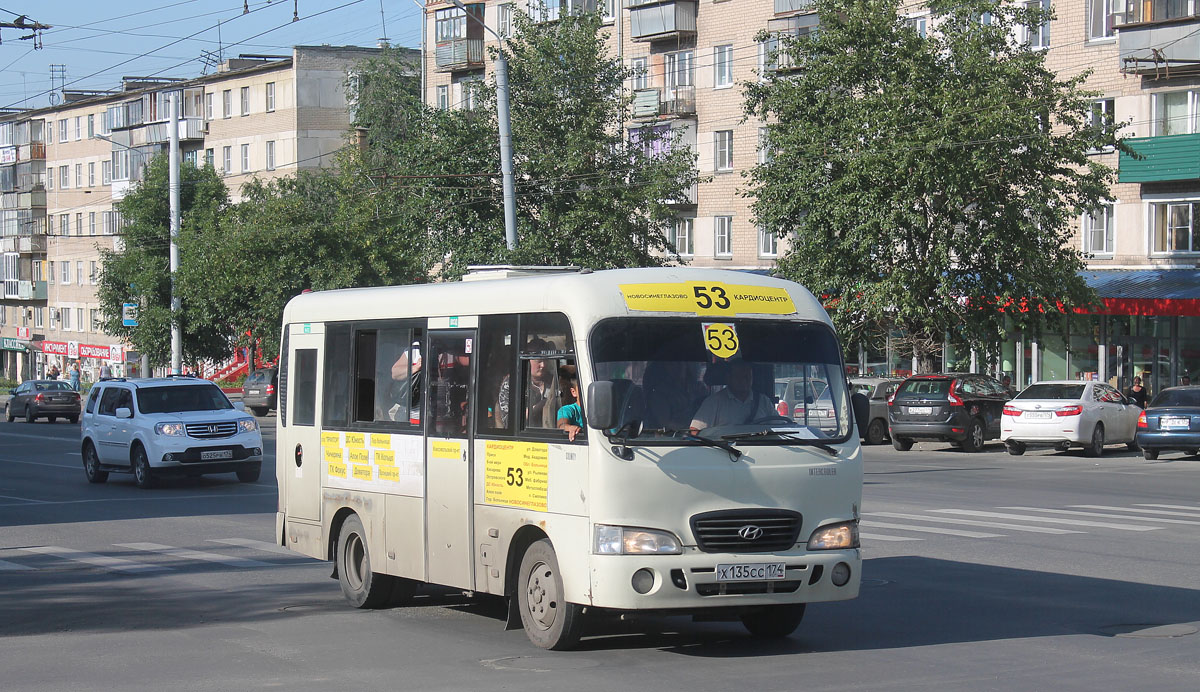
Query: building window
1174, 226
270, 106
79, 224
723, 236
1102, 17
683, 236
92, 231
919, 24
1176, 113
50, 273
469, 89
64, 176
1037, 37
105, 172
95, 320
208, 157
92, 268
764, 146
245, 157
208, 106
245, 100
91, 174
78, 127
679, 69
1157, 11
91, 126
62, 130
443, 97
79, 175
50, 177
723, 66
723, 150
270, 156
768, 243
640, 73
65, 278
64, 228
227, 160
66, 318
79, 319
227, 103
607, 11
39, 317
451, 24
504, 20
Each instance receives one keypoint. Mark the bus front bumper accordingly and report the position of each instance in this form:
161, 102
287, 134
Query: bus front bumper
690, 581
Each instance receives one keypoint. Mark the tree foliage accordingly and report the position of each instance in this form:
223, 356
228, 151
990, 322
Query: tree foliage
140, 271
926, 182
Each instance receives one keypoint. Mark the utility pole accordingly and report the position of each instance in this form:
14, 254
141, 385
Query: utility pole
502, 116
35, 29
173, 99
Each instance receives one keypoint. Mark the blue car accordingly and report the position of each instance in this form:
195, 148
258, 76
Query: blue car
1171, 422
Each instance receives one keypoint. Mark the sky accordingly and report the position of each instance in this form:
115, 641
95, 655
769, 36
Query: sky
101, 42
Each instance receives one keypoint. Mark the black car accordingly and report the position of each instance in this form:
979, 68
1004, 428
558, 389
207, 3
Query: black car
961, 408
259, 391
1171, 422
50, 399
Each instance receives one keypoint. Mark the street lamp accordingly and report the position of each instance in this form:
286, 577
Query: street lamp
502, 115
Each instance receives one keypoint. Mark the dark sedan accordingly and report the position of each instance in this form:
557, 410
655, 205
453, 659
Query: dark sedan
1171, 423
49, 399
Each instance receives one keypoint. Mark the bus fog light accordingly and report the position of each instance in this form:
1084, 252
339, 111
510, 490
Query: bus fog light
835, 536
625, 540
643, 580
840, 574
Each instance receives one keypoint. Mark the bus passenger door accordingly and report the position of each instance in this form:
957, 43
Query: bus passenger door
449, 371
302, 451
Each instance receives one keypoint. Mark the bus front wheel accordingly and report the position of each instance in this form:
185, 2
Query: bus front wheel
362, 587
774, 623
549, 620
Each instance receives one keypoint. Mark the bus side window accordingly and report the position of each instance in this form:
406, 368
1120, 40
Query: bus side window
336, 410
497, 354
546, 349
305, 411
398, 373
283, 376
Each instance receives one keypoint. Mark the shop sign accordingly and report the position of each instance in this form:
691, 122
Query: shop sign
97, 351
9, 344
72, 349
8, 155
56, 348
23, 333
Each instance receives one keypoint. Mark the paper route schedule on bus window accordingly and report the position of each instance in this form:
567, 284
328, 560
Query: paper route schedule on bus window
516, 474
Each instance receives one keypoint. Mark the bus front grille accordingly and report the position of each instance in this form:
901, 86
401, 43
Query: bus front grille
746, 530
731, 588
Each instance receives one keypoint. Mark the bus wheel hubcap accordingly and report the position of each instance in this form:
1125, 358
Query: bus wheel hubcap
542, 595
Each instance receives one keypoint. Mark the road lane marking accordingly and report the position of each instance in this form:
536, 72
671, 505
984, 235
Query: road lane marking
12, 567
257, 545
1194, 509
971, 522
24, 499
881, 537
1103, 515
1048, 520
71, 467
932, 529
199, 555
105, 561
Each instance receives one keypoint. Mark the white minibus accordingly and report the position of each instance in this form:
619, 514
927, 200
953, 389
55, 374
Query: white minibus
583, 443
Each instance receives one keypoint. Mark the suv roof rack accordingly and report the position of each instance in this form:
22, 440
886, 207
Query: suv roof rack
188, 375
111, 379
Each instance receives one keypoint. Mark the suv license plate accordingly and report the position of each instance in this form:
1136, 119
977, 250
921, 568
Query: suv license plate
750, 571
920, 410
217, 454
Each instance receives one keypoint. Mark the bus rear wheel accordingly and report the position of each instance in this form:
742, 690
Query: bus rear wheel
774, 623
362, 587
549, 620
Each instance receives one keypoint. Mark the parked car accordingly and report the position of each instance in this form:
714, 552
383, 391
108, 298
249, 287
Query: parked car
1069, 413
961, 408
1171, 422
877, 390
259, 391
807, 400
49, 399
170, 425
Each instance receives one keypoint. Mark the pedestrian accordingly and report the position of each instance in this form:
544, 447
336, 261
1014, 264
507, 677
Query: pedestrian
105, 371
73, 371
1137, 393
1185, 381
1006, 381
52, 373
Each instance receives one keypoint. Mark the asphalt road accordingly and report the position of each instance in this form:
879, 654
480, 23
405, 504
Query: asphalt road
983, 572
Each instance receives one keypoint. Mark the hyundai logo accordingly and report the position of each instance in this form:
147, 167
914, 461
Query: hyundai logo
750, 532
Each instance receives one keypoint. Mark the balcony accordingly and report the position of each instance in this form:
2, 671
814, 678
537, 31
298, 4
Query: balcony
32, 244
1160, 48
1167, 158
688, 199
35, 151
160, 133
458, 54
31, 290
785, 6
656, 20
676, 102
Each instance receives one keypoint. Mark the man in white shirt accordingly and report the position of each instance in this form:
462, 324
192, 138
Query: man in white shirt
736, 404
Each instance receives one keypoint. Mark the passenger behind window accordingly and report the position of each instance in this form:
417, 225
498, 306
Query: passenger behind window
542, 396
402, 399
570, 416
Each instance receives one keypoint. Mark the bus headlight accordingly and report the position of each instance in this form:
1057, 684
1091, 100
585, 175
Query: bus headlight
170, 429
835, 536
625, 540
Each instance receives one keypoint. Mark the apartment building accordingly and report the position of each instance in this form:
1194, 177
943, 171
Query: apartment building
63, 168
1143, 249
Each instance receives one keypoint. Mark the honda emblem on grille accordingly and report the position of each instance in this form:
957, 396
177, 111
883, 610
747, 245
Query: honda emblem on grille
212, 429
750, 532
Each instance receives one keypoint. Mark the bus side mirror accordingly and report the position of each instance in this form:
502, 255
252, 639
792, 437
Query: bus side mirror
601, 413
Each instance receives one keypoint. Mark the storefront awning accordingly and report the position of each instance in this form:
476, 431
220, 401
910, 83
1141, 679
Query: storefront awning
1147, 291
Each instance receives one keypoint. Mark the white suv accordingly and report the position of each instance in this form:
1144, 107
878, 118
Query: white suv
172, 425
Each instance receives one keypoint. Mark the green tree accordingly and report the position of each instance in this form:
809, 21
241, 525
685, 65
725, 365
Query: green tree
139, 271
926, 182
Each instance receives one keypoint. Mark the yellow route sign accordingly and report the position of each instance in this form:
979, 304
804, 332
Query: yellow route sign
516, 474
721, 339
708, 298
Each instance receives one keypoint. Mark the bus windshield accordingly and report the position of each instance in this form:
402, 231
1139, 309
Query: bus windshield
771, 381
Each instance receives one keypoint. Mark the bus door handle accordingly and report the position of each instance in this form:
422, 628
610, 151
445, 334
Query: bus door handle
299, 455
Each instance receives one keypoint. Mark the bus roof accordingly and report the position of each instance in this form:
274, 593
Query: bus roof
590, 295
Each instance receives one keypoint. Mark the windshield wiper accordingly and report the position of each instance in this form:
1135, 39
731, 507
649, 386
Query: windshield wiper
782, 433
734, 452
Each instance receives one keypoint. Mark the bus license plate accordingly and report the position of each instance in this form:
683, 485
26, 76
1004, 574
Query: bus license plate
750, 571
1169, 422
217, 454
920, 410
